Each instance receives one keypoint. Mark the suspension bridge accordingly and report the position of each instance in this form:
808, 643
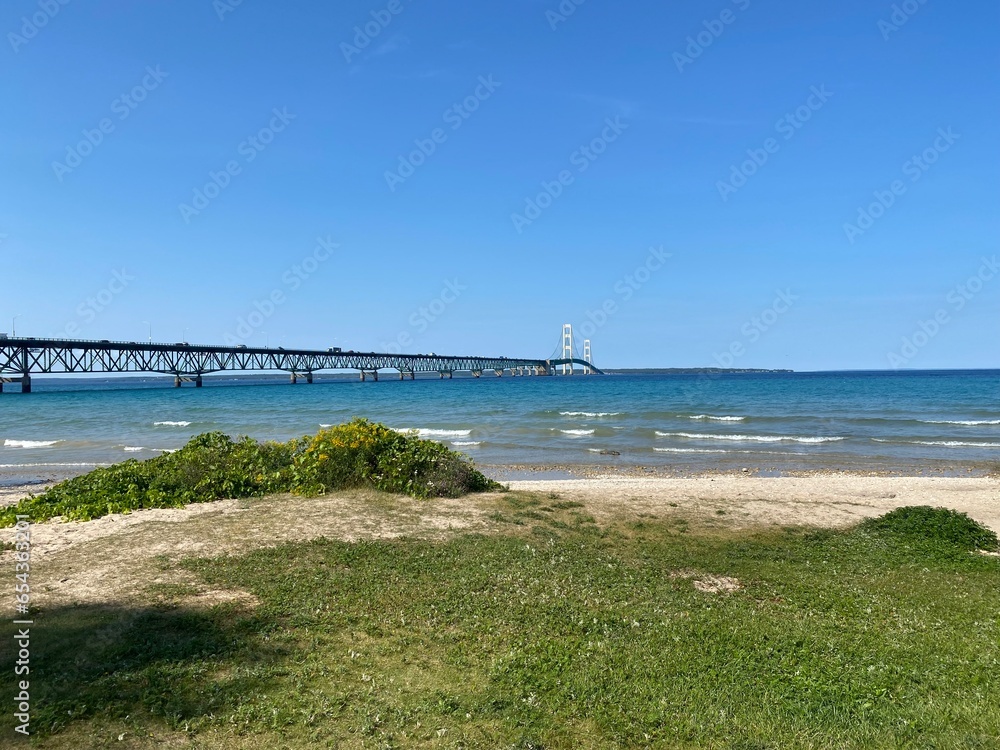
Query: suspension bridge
22, 357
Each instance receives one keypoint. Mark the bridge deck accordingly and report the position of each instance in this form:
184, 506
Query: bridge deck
24, 357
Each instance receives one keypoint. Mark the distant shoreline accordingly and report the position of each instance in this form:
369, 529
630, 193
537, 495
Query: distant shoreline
691, 370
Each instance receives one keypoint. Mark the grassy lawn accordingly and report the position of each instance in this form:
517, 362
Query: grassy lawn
554, 633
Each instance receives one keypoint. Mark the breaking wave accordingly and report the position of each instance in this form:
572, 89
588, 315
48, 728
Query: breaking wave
750, 438
433, 433
688, 450
966, 422
29, 443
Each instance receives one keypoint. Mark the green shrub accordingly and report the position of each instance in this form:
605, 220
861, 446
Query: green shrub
942, 525
213, 466
362, 453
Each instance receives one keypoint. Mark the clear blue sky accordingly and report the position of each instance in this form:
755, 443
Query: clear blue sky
201, 79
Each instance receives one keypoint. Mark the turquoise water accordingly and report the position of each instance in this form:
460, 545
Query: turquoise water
781, 421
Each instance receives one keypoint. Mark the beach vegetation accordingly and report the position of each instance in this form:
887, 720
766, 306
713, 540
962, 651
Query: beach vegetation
213, 466
924, 524
551, 631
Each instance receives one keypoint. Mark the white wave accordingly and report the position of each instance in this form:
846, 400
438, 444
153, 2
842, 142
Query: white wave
20, 466
718, 419
577, 433
465, 442
425, 432
956, 444
326, 426
815, 439
132, 449
688, 450
590, 413
171, 424
29, 443
751, 438
166, 450
948, 443
967, 422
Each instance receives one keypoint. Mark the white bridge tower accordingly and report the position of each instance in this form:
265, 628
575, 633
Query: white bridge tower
587, 357
567, 348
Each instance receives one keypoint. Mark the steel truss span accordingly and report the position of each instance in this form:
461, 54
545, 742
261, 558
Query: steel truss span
22, 357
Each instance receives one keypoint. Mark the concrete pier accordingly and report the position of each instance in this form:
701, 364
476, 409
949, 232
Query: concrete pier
197, 381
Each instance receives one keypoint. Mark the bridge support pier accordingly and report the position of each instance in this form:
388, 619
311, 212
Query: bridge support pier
177, 381
374, 375
309, 378
477, 373
294, 378
26, 383
197, 381
499, 373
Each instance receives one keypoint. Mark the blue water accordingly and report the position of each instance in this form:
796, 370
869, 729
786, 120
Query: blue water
781, 421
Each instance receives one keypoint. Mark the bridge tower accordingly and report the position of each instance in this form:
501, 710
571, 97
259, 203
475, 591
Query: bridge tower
587, 357
567, 348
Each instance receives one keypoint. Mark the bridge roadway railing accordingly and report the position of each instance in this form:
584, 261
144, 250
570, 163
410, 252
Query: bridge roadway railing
26, 356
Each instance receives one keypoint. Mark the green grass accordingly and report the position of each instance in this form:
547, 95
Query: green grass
558, 635
925, 525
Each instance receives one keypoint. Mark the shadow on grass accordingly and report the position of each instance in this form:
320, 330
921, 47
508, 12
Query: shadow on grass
145, 663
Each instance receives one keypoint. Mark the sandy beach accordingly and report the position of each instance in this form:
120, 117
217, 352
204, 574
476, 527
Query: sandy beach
817, 499
827, 500
733, 501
